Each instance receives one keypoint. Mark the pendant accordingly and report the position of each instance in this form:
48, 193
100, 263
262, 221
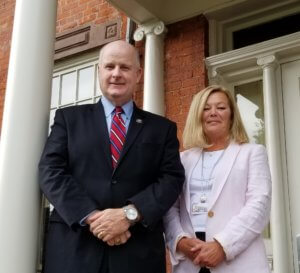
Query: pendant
203, 198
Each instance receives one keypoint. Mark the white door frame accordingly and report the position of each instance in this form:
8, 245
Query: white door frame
262, 61
290, 74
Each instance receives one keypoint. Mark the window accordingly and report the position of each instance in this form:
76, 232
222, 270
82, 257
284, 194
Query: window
250, 101
266, 31
74, 85
248, 24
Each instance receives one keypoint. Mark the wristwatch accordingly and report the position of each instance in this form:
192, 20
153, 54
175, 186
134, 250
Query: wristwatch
131, 214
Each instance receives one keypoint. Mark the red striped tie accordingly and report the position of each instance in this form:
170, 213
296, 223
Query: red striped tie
117, 135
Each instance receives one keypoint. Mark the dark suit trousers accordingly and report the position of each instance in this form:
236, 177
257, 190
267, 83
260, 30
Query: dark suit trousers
104, 266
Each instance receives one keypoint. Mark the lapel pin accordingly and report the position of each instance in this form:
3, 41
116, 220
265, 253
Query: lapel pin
139, 121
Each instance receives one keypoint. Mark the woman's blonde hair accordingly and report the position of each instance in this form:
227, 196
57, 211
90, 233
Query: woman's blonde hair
193, 134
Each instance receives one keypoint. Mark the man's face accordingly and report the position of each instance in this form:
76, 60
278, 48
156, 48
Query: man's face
119, 72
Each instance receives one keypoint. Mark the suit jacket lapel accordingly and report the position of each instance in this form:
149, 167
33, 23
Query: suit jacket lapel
101, 130
223, 171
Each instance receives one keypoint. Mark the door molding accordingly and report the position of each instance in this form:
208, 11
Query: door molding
263, 61
241, 64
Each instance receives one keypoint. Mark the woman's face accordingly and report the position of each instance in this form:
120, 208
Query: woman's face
216, 117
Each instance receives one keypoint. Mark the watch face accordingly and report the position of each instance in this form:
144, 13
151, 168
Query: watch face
131, 214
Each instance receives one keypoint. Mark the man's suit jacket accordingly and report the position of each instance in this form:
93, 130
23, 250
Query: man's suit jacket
77, 177
240, 204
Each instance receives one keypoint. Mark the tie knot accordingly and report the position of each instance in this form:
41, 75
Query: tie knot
118, 110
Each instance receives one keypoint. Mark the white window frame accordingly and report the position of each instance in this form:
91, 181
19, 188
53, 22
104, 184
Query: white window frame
71, 65
221, 27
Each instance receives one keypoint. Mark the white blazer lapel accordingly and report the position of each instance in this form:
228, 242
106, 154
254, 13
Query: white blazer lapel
223, 170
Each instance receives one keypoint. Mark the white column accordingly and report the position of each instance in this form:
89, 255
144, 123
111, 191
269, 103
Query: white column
215, 77
154, 96
25, 122
272, 131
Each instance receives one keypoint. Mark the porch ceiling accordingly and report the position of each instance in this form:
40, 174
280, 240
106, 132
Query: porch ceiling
170, 11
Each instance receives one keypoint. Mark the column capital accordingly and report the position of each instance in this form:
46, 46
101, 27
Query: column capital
267, 61
156, 28
214, 76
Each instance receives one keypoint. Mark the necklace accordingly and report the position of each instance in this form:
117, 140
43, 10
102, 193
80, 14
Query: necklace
206, 181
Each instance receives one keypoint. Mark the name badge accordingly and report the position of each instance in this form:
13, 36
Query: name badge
199, 208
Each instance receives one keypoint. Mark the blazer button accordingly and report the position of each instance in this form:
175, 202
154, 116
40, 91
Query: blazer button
114, 182
210, 214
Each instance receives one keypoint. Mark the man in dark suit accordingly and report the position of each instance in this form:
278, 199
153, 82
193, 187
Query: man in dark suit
111, 171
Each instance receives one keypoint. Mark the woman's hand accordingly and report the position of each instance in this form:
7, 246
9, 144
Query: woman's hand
209, 254
185, 246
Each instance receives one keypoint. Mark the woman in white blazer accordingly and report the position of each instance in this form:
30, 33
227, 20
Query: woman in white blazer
216, 224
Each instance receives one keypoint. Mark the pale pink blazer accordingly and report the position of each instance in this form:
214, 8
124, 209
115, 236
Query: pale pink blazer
239, 209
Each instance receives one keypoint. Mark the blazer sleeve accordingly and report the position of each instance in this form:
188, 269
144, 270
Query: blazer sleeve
70, 200
243, 228
155, 200
174, 232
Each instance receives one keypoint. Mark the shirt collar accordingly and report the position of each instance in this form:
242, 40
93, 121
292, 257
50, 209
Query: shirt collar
109, 107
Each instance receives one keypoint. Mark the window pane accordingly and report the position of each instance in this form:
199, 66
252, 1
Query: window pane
86, 83
51, 119
67, 105
96, 99
98, 91
251, 105
85, 102
55, 92
68, 89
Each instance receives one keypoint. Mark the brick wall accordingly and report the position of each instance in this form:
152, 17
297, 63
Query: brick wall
186, 46
74, 13
7, 8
